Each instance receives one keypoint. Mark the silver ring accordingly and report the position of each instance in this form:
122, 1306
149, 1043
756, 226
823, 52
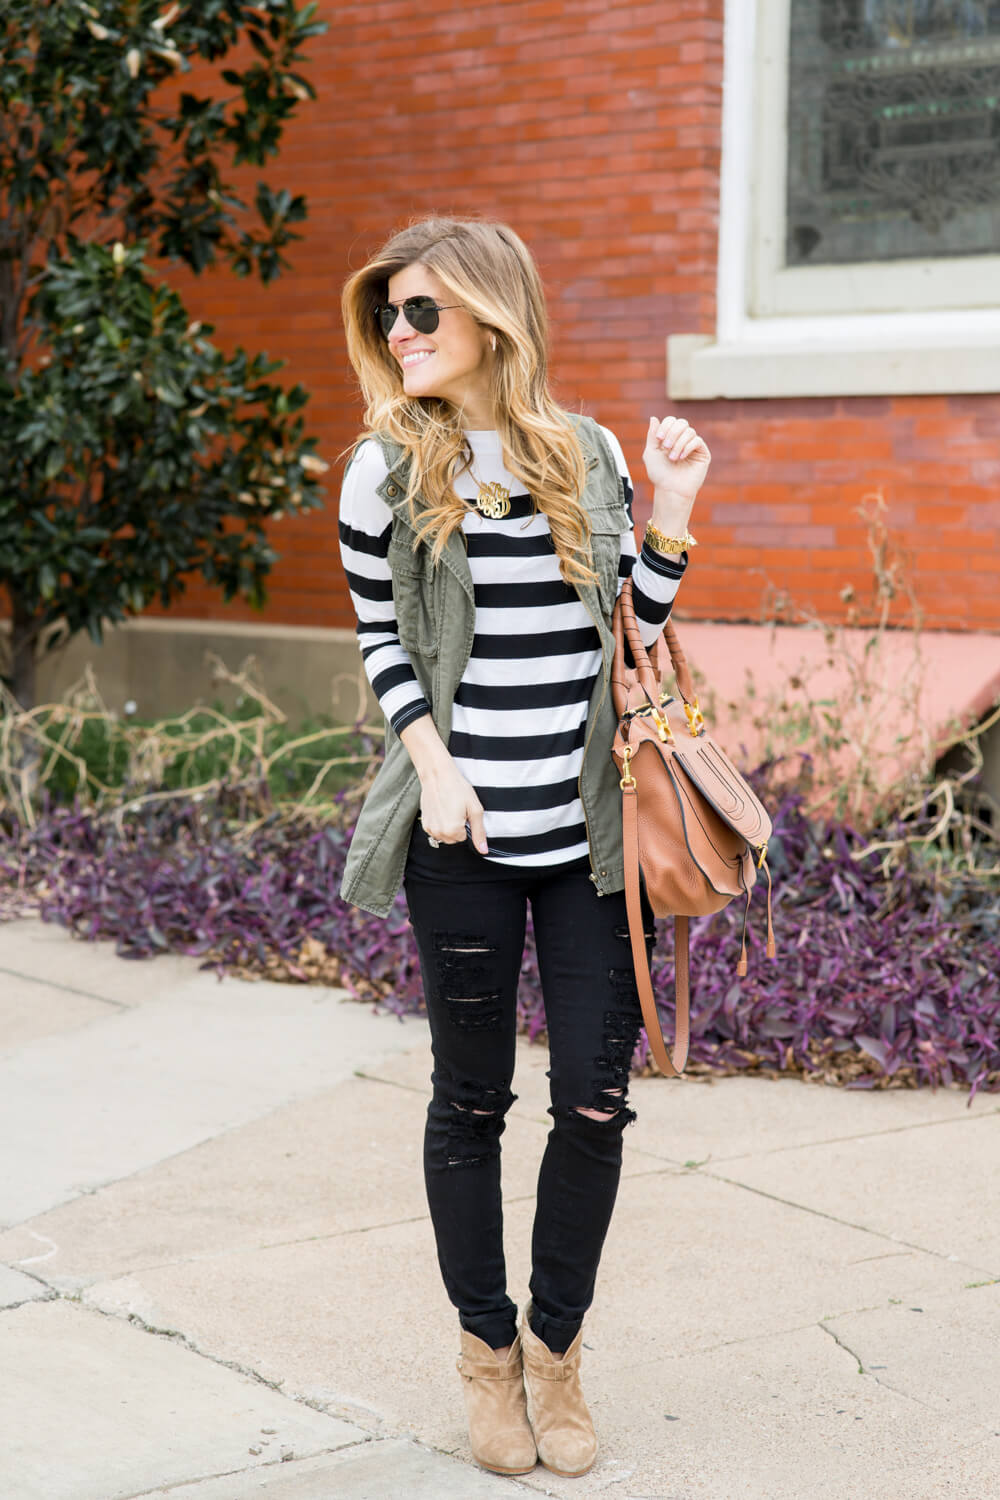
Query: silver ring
434, 843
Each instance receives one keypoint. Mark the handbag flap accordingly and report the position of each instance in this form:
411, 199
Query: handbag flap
719, 782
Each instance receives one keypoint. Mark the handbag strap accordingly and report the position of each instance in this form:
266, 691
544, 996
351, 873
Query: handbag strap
650, 670
671, 1067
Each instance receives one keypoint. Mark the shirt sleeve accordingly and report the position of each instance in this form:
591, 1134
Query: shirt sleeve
655, 576
365, 529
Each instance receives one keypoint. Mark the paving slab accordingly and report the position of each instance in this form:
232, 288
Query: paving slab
31, 1008
35, 950
723, 1119
928, 1187
347, 1159
356, 1323
712, 1264
379, 1470
336, 1163
96, 1104
726, 1119
705, 1260
240, 1165
911, 1347
784, 1417
92, 1408
16, 1287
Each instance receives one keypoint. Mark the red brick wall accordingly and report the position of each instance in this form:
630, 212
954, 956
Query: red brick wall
592, 126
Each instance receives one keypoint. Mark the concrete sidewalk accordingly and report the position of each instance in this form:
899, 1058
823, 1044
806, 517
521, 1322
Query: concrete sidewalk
218, 1282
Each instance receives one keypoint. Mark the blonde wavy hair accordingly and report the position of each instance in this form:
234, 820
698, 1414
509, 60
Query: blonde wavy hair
490, 272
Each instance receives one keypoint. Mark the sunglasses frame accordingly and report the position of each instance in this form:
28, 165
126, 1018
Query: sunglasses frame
427, 307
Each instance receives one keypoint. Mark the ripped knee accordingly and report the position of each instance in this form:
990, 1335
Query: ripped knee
608, 1102
608, 1113
609, 1108
472, 1116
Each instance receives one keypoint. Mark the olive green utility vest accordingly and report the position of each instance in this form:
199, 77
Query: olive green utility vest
436, 615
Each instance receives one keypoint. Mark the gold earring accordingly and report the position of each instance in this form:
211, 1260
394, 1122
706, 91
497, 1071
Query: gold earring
493, 342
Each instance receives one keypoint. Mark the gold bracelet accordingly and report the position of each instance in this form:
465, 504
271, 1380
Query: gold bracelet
660, 543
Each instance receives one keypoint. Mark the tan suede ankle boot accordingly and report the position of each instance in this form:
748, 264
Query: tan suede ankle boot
499, 1433
564, 1432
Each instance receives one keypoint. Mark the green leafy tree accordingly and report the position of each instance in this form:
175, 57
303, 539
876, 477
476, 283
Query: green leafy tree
133, 451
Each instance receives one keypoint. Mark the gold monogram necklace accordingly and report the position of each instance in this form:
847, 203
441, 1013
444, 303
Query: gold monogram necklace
493, 501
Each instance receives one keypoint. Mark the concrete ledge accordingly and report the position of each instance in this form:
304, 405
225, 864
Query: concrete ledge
700, 369
160, 666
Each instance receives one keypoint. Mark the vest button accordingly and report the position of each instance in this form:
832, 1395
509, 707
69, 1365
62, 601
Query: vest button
392, 490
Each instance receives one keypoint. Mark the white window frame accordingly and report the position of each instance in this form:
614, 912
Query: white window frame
906, 327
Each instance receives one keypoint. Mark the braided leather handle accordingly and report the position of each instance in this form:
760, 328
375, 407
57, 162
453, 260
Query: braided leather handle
649, 665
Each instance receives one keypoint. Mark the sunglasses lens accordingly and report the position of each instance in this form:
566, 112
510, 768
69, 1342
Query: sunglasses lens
420, 312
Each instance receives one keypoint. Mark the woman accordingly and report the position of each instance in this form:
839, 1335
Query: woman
485, 533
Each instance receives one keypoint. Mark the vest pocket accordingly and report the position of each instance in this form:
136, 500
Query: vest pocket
607, 525
413, 585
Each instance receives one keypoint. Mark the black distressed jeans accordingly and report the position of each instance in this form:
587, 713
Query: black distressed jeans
468, 915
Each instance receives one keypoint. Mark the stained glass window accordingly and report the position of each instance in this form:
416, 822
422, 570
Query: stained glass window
893, 130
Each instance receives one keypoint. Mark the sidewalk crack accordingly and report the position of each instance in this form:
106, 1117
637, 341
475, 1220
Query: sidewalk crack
8, 1307
847, 1350
886, 1384
47, 1293
354, 1414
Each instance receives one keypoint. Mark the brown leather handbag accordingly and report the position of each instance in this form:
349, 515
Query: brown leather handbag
693, 828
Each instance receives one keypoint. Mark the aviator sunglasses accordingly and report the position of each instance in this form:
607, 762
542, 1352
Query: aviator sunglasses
420, 312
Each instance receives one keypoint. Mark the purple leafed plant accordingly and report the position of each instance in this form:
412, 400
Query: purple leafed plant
878, 982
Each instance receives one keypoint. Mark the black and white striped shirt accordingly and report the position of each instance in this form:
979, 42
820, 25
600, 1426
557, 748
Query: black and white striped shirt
520, 711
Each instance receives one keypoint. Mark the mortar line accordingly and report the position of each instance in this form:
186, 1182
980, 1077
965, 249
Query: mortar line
424, 1092
308, 1239
181, 1484
833, 1140
820, 1213
66, 989
229, 1250
370, 1441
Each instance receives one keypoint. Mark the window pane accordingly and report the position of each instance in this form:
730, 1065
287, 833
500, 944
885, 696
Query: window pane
893, 130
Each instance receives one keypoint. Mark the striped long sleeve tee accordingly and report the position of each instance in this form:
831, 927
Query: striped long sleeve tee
521, 708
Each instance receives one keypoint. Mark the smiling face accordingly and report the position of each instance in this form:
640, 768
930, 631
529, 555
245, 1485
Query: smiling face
453, 362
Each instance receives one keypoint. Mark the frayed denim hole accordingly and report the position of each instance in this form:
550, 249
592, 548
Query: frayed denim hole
648, 933
474, 1012
461, 977
609, 1097
621, 1032
461, 942
611, 1109
474, 1132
